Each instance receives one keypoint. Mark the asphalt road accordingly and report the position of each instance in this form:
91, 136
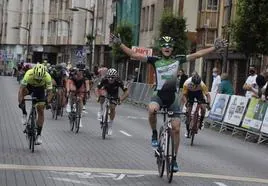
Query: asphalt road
126, 158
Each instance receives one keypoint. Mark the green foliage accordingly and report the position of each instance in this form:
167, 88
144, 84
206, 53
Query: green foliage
90, 39
175, 27
251, 27
125, 31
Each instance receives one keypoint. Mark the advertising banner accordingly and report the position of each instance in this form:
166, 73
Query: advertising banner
255, 114
219, 106
236, 110
264, 127
212, 97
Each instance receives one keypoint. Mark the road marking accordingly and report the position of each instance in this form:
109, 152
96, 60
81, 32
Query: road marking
220, 183
127, 171
72, 181
125, 133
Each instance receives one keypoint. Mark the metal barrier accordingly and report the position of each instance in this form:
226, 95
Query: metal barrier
234, 107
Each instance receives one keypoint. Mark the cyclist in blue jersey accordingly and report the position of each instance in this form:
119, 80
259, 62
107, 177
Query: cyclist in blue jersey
166, 69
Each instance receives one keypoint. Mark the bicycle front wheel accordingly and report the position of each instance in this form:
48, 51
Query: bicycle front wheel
160, 160
77, 118
170, 154
105, 124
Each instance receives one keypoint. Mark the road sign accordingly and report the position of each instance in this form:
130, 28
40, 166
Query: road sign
141, 50
79, 53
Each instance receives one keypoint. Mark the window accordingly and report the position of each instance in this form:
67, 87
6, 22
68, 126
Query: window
152, 17
66, 4
143, 19
212, 5
168, 4
5, 34
146, 19
210, 37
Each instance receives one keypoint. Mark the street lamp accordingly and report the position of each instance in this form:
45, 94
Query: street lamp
75, 9
28, 38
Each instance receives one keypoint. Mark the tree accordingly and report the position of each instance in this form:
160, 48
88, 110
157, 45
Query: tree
125, 31
175, 27
250, 30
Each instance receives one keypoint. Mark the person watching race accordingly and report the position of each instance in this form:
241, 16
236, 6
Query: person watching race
111, 84
35, 82
166, 69
195, 89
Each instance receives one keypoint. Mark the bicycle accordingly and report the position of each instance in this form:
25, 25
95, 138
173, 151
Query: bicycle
75, 114
193, 122
106, 113
56, 103
165, 153
31, 127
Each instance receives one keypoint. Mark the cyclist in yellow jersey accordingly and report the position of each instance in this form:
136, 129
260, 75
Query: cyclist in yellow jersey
34, 83
195, 89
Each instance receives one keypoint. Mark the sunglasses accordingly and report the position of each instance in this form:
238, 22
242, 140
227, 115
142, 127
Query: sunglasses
167, 45
111, 77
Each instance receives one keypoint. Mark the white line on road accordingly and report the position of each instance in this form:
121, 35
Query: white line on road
125, 133
128, 171
72, 181
220, 183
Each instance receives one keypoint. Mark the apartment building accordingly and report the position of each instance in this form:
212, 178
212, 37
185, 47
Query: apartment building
150, 18
55, 30
213, 19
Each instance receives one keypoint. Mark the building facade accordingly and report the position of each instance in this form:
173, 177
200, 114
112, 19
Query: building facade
213, 20
55, 30
128, 11
150, 19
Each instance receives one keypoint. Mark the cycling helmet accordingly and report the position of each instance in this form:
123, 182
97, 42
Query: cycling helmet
196, 79
39, 71
166, 41
112, 72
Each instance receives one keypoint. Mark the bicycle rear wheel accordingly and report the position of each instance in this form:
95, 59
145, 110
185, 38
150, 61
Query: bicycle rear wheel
160, 160
192, 137
53, 108
170, 151
57, 106
71, 120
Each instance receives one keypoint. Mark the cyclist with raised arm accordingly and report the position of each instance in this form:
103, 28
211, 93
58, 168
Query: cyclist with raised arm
194, 89
36, 81
166, 69
111, 84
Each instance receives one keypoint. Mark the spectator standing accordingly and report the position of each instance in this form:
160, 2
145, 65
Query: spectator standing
250, 85
216, 80
225, 86
181, 78
137, 76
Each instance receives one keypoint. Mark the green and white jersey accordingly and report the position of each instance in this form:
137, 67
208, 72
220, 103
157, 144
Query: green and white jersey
166, 71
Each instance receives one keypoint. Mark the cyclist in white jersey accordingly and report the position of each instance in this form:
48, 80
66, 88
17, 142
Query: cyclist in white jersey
166, 69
